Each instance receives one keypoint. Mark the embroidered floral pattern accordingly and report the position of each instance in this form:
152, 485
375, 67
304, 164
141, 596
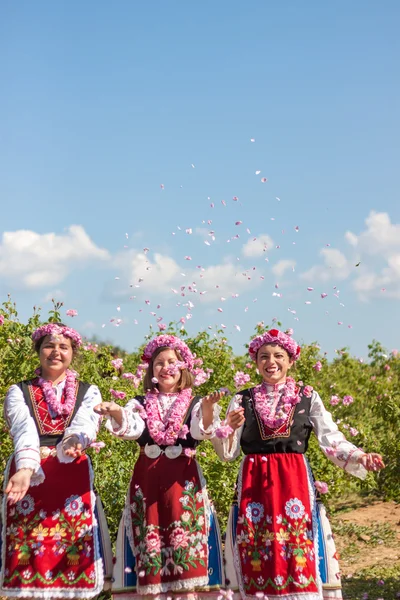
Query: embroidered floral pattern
172, 550
257, 542
31, 533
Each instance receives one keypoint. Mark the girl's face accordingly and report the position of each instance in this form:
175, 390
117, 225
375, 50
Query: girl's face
273, 362
167, 375
55, 356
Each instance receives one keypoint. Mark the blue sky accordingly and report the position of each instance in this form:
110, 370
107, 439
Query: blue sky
123, 122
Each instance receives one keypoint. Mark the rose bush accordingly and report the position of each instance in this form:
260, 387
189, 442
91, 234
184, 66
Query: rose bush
370, 420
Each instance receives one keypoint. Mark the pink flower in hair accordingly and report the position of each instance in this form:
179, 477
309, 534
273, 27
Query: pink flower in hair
169, 341
274, 336
55, 330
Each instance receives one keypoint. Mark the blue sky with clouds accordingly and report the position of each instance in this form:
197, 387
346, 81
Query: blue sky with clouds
128, 126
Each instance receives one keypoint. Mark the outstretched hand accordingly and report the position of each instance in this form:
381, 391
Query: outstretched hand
213, 398
372, 461
72, 447
18, 485
235, 418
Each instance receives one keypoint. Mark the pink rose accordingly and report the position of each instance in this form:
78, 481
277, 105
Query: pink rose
118, 394
1, 319
321, 486
334, 400
318, 366
223, 430
72, 312
387, 367
241, 379
308, 390
353, 431
347, 400
117, 363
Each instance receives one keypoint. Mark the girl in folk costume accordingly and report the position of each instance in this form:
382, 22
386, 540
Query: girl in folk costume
279, 542
54, 533
168, 540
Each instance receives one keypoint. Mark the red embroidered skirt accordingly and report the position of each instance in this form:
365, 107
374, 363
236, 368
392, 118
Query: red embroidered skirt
51, 539
275, 549
167, 525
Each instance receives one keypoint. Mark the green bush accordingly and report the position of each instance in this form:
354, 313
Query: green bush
374, 413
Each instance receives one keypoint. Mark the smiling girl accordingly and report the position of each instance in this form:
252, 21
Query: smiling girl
54, 533
168, 540
279, 543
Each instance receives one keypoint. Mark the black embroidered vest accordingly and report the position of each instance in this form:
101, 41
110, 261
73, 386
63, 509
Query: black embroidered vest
290, 438
45, 438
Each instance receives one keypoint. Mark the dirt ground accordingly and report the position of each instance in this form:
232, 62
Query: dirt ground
359, 550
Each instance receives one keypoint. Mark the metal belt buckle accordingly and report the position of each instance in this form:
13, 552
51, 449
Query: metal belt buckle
152, 451
173, 451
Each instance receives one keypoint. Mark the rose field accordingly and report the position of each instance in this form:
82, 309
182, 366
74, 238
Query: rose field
363, 397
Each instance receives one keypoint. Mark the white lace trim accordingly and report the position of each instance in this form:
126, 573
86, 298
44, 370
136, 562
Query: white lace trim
182, 584
216, 422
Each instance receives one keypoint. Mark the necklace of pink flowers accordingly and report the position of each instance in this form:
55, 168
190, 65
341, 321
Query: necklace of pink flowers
56, 406
275, 414
166, 431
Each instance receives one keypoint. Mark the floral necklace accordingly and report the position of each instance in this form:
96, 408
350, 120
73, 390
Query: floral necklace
275, 415
55, 405
166, 431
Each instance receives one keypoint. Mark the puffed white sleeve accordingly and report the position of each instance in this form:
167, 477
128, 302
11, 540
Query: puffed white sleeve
229, 448
24, 434
197, 430
132, 425
333, 443
84, 426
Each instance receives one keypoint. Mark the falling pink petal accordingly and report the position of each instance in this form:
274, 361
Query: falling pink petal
189, 231
297, 228
235, 198
238, 222
252, 140
162, 186
187, 258
310, 289
223, 202
237, 327
264, 180
258, 172
220, 310
323, 295
212, 205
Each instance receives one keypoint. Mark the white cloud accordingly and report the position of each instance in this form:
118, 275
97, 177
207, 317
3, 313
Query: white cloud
372, 263
258, 246
336, 267
160, 274
33, 260
280, 268
381, 236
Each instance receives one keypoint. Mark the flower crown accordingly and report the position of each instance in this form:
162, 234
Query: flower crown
54, 329
169, 341
274, 336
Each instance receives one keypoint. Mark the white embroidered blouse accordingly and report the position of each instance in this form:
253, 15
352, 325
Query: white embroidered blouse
25, 436
329, 437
